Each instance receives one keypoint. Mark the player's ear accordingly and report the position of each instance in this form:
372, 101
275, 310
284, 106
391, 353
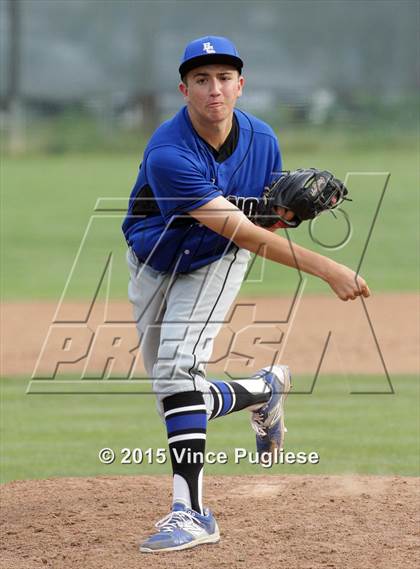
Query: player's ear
183, 88
241, 83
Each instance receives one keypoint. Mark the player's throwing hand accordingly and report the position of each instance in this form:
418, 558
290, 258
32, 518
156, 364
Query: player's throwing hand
347, 284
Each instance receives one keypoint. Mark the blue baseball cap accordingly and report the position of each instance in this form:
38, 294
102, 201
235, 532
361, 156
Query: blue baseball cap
208, 50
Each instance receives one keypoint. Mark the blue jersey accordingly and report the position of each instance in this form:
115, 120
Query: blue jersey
179, 173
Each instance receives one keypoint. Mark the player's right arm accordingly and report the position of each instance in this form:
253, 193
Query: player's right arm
224, 218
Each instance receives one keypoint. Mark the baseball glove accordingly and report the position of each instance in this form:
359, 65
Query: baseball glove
306, 192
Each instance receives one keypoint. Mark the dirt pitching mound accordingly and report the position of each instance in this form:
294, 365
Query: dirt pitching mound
290, 522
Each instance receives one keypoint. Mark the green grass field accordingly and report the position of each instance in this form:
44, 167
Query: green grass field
49, 200
61, 435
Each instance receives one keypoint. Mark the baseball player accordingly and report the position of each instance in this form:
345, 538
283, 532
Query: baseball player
209, 187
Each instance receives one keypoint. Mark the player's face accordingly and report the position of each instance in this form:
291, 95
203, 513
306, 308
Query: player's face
211, 92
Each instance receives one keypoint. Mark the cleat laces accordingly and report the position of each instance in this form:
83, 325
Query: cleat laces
174, 520
261, 421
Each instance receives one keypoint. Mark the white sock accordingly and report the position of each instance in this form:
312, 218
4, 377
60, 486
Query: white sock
181, 492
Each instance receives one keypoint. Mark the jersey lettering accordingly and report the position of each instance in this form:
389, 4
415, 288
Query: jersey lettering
248, 205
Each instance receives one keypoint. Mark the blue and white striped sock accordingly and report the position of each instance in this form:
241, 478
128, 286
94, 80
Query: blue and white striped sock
232, 396
186, 425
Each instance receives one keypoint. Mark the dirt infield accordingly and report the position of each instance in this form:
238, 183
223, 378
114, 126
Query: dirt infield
359, 338
290, 522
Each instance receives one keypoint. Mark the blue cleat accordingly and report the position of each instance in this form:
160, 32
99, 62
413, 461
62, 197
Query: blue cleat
268, 421
182, 529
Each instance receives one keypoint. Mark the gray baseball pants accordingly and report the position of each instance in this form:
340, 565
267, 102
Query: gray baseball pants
178, 317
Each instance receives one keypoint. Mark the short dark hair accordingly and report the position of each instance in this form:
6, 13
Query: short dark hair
184, 78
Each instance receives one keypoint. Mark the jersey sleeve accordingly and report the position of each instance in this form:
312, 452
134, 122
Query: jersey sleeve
277, 159
177, 183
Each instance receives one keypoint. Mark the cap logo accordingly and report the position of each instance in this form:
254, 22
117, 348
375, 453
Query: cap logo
208, 48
